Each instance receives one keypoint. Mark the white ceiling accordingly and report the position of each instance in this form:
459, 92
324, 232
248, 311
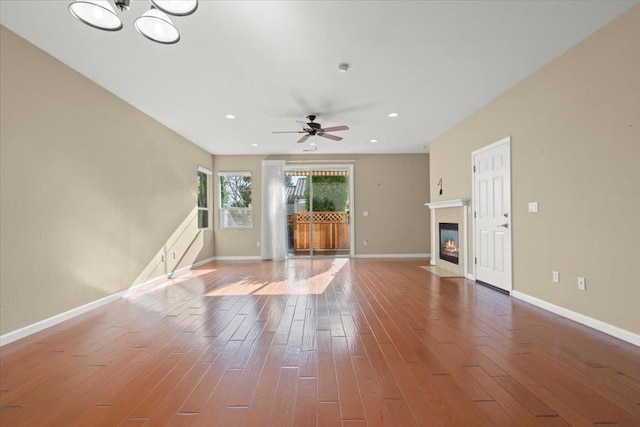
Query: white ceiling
272, 63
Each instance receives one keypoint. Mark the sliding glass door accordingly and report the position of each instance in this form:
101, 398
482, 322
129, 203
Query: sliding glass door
318, 210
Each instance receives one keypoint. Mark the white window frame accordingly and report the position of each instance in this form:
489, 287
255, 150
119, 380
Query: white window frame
208, 173
222, 211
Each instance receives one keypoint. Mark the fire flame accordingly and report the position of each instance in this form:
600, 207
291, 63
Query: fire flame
450, 247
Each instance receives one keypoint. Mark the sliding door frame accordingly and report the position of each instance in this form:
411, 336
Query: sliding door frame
295, 166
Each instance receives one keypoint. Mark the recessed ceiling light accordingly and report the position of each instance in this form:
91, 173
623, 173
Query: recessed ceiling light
255, 145
393, 114
312, 144
424, 147
230, 116
373, 140
343, 68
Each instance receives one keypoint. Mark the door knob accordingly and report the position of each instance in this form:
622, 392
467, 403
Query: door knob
506, 225
506, 215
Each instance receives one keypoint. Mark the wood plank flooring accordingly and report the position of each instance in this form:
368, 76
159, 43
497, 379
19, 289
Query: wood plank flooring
327, 342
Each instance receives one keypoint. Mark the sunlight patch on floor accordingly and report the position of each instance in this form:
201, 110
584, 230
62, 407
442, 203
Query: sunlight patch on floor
187, 276
315, 284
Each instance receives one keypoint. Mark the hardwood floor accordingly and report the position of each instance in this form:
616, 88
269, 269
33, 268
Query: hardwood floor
328, 342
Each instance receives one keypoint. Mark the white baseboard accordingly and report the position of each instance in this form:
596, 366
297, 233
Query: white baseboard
238, 258
23, 332
470, 277
392, 256
197, 264
614, 331
12, 336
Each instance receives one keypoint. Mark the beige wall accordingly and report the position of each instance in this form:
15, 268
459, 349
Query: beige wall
392, 188
575, 128
92, 190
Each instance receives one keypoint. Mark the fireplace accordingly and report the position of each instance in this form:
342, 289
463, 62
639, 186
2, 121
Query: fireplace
449, 246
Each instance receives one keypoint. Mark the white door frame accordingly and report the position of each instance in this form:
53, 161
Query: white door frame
506, 140
352, 210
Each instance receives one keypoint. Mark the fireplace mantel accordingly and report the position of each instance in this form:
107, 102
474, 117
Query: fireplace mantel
454, 203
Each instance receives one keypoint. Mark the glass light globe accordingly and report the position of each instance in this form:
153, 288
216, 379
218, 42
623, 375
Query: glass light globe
156, 25
176, 7
96, 13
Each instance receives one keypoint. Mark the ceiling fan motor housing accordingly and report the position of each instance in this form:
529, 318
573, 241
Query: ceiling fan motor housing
312, 125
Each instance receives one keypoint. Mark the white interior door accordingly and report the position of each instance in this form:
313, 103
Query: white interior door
492, 214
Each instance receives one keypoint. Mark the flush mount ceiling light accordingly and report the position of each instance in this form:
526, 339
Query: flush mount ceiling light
373, 140
153, 24
343, 68
229, 116
392, 114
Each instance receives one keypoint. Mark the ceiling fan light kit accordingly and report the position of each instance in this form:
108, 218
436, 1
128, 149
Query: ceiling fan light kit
153, 24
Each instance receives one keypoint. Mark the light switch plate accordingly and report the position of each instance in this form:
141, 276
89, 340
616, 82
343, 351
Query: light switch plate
533, 207
365, 213
582, 284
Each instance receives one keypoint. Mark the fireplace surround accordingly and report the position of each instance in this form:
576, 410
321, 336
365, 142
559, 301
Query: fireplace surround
438, 210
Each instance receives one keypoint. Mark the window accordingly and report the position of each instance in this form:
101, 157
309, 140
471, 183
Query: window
235, 200
203, 197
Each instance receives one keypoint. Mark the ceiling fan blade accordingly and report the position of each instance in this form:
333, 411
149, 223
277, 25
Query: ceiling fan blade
303, 124
290, 131
329, 136
335, 128
303, 139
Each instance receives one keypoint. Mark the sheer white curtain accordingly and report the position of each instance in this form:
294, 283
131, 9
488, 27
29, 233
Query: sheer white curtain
273, 210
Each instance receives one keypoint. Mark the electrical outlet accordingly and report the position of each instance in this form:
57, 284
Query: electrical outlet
582, 283
258, 244
366, 242
533, 207
164, 257
174, 254
556, 277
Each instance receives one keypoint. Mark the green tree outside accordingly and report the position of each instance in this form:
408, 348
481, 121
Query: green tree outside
235, 191
330, 193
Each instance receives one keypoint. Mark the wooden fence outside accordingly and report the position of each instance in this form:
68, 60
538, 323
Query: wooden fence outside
330, 230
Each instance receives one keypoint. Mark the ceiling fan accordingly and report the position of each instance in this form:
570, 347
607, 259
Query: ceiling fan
311, 128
